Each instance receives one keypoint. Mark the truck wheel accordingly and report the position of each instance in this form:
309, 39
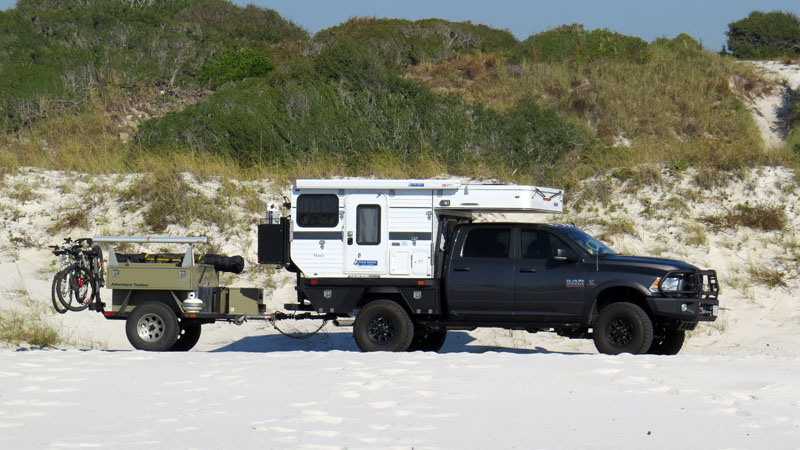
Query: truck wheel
190, 334
623, 328
428, 341
670, 344
152, 326
383, 325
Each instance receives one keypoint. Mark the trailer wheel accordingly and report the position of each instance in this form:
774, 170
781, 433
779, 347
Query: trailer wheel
152, 326
669, 344
190, 334
383, 325
623, 328
428, 341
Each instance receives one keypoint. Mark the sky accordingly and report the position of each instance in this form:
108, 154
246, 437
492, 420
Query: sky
706, 20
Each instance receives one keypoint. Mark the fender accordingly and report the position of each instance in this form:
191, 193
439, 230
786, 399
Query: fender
594, 293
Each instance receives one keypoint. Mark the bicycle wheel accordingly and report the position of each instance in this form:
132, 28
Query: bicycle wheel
97, 266
61, 309
75, 288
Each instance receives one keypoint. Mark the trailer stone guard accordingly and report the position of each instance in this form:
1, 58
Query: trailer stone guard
403, 262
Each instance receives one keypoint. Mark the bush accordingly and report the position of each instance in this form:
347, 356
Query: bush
399, 42
349, 108
572, 42
54, 54
759, 217
17, 327
166, 199
235, 66
761, 35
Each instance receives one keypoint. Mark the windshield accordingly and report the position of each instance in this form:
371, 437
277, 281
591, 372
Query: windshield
586, 242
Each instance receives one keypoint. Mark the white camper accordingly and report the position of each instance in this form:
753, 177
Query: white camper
388, 228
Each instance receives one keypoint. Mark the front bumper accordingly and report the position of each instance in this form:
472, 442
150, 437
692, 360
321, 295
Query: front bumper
685, 309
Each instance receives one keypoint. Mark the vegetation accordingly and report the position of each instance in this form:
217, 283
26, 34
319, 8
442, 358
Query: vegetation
758, 217
767, 276
210, 87
770, 35
165, 198
27, 324
55, 54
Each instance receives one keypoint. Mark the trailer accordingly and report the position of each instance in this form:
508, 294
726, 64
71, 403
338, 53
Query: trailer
165, 298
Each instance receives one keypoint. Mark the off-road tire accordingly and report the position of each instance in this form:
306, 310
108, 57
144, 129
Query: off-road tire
152, 326
669, 344
188, 337
428, 341
383, 325
623, 328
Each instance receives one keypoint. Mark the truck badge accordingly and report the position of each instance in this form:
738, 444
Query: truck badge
575, 282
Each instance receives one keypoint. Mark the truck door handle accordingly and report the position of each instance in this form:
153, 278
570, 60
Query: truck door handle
462, 269
527, 270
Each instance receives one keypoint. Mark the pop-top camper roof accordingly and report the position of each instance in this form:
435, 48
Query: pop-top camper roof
454, 195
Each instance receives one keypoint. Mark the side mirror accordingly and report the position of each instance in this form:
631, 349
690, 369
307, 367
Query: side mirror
564, 254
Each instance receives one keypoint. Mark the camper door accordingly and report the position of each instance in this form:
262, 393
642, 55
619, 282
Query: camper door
365, 233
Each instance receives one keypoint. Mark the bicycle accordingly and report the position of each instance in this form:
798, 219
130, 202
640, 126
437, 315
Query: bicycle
76, 286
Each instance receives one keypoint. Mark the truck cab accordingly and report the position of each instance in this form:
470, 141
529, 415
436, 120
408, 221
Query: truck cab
543, 276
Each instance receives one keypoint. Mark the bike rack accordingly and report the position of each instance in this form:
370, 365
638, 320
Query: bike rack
188, 257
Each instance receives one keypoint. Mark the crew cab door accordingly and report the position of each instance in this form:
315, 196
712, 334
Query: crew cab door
480, 275
365, 234
546, 287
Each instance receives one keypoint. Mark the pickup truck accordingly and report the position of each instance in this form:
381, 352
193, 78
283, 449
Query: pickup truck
534, 277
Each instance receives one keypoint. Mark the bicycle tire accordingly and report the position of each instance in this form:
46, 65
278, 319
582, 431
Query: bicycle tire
61, 309
79, 290
97, 266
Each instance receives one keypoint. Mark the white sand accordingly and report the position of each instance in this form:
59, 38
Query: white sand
770, 110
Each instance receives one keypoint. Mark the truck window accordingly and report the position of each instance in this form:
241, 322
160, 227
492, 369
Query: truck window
487, 243
539, 244
318, 210
368, 225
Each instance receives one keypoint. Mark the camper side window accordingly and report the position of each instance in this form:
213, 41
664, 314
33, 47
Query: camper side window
368, 225
318, 210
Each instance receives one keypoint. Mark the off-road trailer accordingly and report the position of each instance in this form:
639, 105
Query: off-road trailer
166, 299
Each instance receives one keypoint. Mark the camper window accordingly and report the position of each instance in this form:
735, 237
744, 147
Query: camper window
318, 210
368, 227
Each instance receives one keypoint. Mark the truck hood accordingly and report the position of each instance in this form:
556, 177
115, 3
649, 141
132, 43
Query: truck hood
645, 262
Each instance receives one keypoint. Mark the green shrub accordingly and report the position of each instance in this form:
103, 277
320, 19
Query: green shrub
761, 35
54, 54
572, 42
399, 42
356, 115
235, 66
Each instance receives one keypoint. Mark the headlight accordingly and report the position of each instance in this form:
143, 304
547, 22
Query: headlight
671, 284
